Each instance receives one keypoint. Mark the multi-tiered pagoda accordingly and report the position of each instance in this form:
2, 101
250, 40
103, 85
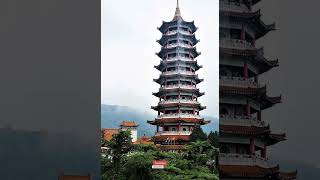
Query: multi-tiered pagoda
178, 108
244, 136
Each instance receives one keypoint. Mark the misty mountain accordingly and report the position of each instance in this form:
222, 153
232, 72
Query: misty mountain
112, 115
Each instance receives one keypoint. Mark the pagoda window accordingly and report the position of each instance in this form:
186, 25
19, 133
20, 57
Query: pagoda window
184, 129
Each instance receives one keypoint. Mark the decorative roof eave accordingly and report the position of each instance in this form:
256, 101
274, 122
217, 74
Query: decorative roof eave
171, 147
161, 79
200, 121
163, 64
164, 91
251, 2
255, 56
165, 51
164, 106
243, 90
247, 171
164, 38
245, 15
244, 130
166, 25
288, 175
275, 138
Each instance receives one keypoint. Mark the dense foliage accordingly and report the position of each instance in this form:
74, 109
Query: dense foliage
134, 162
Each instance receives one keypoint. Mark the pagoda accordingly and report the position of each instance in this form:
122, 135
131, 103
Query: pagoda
178, 108
244, 136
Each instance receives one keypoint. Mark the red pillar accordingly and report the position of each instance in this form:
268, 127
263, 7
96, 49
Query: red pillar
243, 33
248, 110
264, 152
179, 127
245, 70
252, 146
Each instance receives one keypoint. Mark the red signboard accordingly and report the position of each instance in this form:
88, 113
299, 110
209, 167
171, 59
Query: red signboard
159, 164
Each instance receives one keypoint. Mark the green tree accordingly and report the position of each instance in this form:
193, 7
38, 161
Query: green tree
198, 135
119, 145
213, 138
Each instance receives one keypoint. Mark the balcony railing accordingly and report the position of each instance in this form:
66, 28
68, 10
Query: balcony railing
178, 115
179, 58
238, 81
168, 133
233, 6
241, 120
178, 44
178, 72
242, 159
180, 30
235, 43
178, 86
168, 101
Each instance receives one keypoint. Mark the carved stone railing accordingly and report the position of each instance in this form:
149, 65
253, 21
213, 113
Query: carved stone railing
168, 101
242, 159
235, 43
168, 133
237, 81
178, 72
178, 86
240, 120
178, 115
233, 6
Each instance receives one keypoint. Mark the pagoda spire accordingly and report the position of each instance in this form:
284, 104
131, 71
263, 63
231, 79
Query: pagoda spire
177, 14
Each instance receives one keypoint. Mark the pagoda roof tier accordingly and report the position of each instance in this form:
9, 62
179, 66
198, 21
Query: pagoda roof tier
273, 138
159, 121
171, 138
246, 171
177, 23
255, 56
288, 175
253, 19
163, 91
251, 2
257, 94
178, 104
188, 77
163, 64
178, 35
164, 51
244, 130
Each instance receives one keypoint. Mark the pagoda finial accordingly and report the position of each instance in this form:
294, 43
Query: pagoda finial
177, 14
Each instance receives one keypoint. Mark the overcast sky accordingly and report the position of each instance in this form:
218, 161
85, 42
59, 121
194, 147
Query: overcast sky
129, 34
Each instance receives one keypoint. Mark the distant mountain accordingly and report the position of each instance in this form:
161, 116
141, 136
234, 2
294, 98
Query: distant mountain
112, 115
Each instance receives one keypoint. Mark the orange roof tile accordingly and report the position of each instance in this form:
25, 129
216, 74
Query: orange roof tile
109, 132
129, 124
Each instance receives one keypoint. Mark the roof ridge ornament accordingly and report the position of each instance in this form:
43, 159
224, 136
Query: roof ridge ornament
177, 14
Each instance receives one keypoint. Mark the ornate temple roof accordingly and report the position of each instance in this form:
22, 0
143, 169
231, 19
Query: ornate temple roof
164, 51
258, 94
109, 132
177, 19
182, 120
165, 38
163, 64
255, 56
288, 175
273, 138
128, 124
253, 19
190, 77
247, 171
160, 107
244, 130
164, 91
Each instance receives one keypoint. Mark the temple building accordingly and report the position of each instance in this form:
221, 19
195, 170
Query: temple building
125, 125
178, 108
244, 136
